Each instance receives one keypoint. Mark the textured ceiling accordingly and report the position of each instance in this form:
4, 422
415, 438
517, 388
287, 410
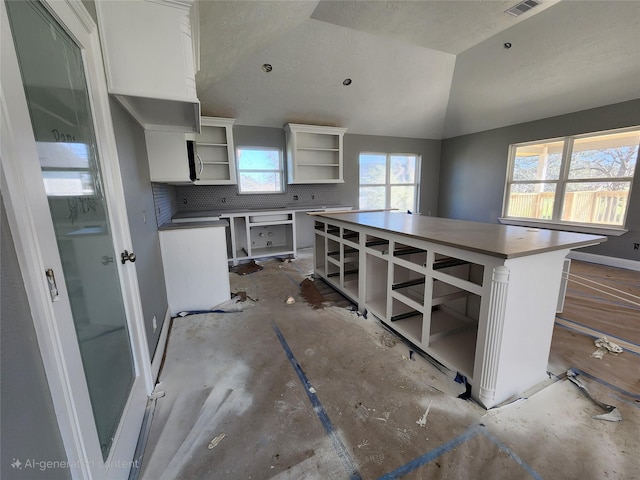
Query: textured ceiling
421, 69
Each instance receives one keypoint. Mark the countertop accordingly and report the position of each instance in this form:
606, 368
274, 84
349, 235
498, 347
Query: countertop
504, 241
196, 224
213, 214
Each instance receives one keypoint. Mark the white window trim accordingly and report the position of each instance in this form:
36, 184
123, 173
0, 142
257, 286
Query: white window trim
561, 182
388, 185
280, 171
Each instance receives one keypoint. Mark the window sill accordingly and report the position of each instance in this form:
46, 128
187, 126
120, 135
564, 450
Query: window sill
567, 227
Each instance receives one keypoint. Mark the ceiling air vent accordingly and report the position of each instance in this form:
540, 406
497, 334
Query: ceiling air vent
522, 7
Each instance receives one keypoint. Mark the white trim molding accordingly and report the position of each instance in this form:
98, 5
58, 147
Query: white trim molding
161, 347
604, 260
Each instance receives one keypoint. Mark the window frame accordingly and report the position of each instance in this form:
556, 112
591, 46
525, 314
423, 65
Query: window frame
280, 170
388, 184
561, 183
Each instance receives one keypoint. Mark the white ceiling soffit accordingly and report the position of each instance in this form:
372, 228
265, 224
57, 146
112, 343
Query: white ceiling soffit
450, 26
398, 89
574, 56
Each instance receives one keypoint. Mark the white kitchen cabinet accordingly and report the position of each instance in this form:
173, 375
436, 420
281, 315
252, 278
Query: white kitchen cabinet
195, 266
214, 161
261, 233
149, 59
167, 155
478, 298
314, 153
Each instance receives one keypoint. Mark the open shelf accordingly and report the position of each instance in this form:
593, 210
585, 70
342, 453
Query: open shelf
457, 351
376, 285
409, 283
458, 268
378, 244
320, 254
414, 255
443, 324
406, 320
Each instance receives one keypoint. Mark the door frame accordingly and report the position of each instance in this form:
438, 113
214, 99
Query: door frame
32, 229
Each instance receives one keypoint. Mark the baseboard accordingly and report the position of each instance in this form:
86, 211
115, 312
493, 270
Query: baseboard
604, 260
158, 355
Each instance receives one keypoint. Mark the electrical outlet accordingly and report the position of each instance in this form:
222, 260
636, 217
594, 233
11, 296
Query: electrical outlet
295, 197
313, 197
636, 246
154, 322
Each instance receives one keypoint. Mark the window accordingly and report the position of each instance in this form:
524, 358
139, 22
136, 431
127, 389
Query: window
260, 170
582, 180
66, 169
389, 180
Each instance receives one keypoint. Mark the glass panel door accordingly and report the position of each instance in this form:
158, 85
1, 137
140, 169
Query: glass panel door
52, 69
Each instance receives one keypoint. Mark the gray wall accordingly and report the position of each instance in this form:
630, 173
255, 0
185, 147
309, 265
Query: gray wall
473, 169
132, 153
29, 427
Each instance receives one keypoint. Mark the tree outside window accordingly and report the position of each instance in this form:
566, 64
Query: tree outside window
577, 180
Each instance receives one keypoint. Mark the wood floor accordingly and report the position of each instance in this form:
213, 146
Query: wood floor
601, 302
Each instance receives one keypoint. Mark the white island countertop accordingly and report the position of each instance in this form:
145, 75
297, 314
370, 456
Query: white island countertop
497, 240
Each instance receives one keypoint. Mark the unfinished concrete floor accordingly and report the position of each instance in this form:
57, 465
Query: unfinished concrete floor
286, 391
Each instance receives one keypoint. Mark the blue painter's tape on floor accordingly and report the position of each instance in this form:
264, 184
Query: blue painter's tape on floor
512, 455
432, 455
635, 396
341, 450
608, 335
469, 434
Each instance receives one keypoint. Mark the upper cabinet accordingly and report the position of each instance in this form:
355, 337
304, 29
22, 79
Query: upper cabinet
214, 161
314, 153
205, 158
167, 154
150, 58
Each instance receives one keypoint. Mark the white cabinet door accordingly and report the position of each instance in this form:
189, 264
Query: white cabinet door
195, 268
167, 155
149, 60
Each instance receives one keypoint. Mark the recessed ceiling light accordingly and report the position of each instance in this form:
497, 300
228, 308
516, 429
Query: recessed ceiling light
347, 82
267, 67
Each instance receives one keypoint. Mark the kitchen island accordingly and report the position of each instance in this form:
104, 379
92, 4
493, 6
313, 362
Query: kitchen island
479, 298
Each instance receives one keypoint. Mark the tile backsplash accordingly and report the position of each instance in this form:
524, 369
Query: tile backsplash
225, 197
164, 199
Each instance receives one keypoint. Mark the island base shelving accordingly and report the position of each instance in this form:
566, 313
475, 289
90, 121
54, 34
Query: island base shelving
481, 302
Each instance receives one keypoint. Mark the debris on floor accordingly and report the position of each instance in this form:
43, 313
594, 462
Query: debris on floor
241, 295
611, 413
290, 300
228, 306
247, 268
214, 443
422, 421
311, 294
608, 345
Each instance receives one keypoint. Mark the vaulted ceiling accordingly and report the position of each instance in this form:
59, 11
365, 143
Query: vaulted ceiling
420, 69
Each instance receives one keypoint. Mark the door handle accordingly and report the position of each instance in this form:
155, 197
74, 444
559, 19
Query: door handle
124, 256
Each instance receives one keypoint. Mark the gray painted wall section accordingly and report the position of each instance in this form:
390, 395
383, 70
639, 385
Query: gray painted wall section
473, 169
29, 427
132, 153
